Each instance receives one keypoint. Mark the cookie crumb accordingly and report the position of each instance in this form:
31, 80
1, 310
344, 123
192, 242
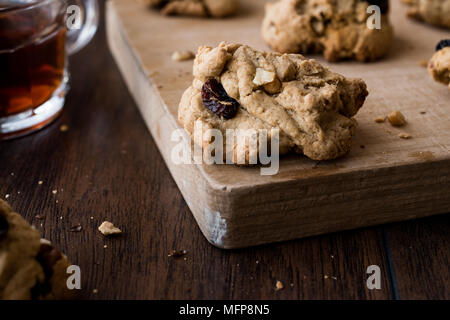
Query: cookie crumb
325, 277
404, 135
95, 291
40, 182
39, 217
397, 119
380, 119
107, 229
177, 253
183, 55
64, 128
55, 191
423, 112
6, 196
105, 246
423, 63
334, 278
279, 286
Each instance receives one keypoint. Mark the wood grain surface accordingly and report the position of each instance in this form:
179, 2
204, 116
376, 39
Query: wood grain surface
389, 179
107, 166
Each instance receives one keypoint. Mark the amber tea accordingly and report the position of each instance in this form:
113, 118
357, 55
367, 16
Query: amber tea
35, 39
30, 72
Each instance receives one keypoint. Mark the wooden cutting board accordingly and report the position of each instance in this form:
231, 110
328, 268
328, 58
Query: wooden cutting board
383, 179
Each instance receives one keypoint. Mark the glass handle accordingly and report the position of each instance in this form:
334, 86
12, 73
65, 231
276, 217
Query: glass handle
82, 22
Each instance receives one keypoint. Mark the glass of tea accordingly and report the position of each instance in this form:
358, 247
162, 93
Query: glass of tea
35, 38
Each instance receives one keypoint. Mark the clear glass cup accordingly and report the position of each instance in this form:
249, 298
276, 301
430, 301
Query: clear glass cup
36, 36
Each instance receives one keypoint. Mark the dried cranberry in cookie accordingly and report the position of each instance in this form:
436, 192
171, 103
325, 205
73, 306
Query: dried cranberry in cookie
443, 44
216, 99
383, 4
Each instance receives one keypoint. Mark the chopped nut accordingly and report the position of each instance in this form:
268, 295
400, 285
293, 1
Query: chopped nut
404, 135
397, 119
380, 119
107, 228
279, 285
263, 77
182, 55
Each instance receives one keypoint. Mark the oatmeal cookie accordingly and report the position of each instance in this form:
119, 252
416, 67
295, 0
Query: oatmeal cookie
439, 65
310, 106
338, 29
435, 12
196, 8
30, 267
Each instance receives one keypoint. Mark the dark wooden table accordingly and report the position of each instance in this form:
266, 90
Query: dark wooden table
107, 167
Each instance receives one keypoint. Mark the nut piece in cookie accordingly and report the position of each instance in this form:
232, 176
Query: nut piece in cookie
312, 108
338, 29
30, 267
435, 12
439, 65
196, 8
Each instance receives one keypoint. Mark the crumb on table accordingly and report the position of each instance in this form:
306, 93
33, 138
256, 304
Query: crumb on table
107, 229
397, 119
183, 55
380, 119
404, 135
279, 285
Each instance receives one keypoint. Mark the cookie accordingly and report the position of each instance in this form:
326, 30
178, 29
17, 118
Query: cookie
435, 12
338, 29
30, 267
439, 65
196, 8
311, 107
